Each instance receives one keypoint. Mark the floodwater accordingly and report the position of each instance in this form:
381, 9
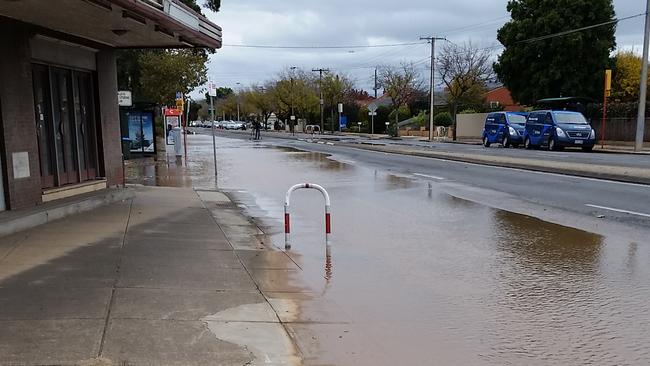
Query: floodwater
420, 277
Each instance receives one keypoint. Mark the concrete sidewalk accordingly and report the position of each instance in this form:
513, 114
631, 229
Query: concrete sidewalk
172, 276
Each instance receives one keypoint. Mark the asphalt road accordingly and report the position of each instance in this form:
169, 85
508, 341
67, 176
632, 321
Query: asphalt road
553, 197
568, 155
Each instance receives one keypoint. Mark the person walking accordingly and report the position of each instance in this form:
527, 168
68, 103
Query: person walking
257, 126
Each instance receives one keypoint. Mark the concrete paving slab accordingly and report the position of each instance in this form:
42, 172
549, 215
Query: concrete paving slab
213, 196
177, 304
156, 342
173, 229
246, 242
200, 259
230, 217
72, 239
277, 280
51, 303
188, 278
40, 253
147, 243
266, 259
241, 230
85, 275
49, 342
268, 342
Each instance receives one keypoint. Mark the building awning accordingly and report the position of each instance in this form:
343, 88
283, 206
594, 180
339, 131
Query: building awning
120, 23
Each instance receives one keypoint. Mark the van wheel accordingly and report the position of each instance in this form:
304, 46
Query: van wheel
486, 142
506, 142
527, 144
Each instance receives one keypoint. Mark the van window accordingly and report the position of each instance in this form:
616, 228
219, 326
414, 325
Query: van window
501, 118
517, 119
490, 119
570, 118
548, 119
535, 118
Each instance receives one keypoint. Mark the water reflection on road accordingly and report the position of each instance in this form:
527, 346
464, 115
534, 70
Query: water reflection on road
422, 277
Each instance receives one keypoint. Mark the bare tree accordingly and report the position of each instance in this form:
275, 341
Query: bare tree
465, 70
402, 84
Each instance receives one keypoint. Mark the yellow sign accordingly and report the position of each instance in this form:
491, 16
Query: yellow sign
608, 82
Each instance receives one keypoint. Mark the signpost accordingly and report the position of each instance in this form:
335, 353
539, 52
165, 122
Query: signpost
212, 92
125, 98
180, 104
372, 107
608, 93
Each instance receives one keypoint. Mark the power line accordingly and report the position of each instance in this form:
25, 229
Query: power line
322, 47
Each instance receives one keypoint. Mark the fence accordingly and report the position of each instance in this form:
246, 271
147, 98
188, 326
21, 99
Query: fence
620, 129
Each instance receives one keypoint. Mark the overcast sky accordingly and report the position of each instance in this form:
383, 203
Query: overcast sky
360, 22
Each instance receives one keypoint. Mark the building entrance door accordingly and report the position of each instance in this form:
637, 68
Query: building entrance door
65, 124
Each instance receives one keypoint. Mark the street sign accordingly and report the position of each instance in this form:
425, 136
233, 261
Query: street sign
212, 89
340, 107
179, 95
124, 98
372, 113
608, 83
293, 118
372, 107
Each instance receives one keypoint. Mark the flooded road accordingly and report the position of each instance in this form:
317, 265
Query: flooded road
420, 276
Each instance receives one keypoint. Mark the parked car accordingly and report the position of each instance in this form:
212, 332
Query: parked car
506, 128
312, 129
558, 129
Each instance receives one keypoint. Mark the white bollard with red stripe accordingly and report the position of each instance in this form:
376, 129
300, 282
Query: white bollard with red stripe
287, 213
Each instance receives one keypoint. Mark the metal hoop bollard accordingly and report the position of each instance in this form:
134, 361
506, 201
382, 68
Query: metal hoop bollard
287, 214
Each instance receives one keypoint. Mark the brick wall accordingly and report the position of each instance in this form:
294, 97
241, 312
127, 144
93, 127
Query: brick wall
18, 121
110, 116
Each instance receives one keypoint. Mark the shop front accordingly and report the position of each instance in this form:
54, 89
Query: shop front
59, 116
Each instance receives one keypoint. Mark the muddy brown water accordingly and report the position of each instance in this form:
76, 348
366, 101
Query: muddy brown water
418, 276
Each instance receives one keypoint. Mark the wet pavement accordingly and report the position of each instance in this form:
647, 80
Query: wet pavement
421, 276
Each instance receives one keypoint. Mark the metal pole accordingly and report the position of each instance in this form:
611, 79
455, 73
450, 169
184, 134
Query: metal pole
433, 65
640, 122
322, 102
372, 123
214, 141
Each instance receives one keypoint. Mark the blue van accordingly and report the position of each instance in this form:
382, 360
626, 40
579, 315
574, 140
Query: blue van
558, 129
506, 128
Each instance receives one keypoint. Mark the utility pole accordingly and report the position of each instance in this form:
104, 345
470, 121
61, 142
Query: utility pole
640, 122
238, 117
376, 84
266, 127
320, 89
292, 118
432, 40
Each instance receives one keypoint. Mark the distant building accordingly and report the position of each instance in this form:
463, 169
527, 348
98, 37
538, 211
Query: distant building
59, 114
500, 97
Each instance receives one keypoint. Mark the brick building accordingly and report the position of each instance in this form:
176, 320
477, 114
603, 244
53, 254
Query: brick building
59, 115
500, 97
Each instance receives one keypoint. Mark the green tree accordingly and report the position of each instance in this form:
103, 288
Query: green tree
540, 62
164, 72
626, 77
443, 119
144, 84
262, 102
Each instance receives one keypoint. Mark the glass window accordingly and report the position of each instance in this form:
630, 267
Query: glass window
517, 119
570, 118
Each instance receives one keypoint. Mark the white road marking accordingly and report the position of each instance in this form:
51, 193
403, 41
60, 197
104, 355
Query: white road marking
429, 176
619, 210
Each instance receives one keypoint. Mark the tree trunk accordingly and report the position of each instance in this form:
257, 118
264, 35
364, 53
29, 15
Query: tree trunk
455, 107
